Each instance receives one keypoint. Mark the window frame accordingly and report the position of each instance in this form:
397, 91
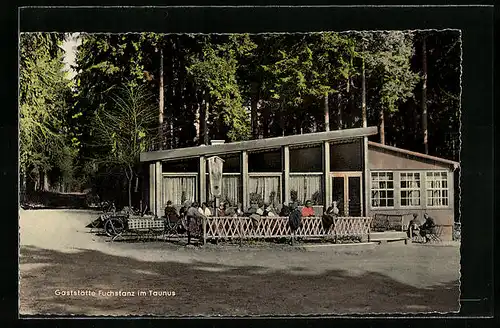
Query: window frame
437, 189
401, 189
278, 175
393, 190
181, 175
311, 174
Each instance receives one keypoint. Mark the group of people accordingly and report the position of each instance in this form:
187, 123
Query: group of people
192, 214
424, 230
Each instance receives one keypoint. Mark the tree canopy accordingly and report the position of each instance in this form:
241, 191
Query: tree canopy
234, 87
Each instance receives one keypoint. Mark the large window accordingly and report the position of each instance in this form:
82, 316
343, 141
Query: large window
346, 156
305, 187
179, 189
382, 187
264, 188
230, 189
306, 159
265, 161
437, 188
410, 189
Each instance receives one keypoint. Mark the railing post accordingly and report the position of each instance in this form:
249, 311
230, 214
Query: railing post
369, 229
241, 230
204, 231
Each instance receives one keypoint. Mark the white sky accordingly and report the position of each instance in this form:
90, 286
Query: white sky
69, 47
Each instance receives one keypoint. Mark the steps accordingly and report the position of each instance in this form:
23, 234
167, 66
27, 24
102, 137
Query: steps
388, 236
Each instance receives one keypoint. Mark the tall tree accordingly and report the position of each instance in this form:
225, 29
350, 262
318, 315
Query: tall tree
43, 99
215, 71
424, 95
126, 130
387, 58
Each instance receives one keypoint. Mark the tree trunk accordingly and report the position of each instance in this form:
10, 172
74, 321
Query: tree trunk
339, 106
197, 125
162, 104
45, 181
424, 96
130, 175
363, 94
253, 111
382, 126
327, 113
206, 138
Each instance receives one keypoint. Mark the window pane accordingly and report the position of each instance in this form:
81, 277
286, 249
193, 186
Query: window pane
268, 161
306, 159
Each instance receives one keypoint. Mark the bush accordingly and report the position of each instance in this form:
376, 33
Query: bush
349, 239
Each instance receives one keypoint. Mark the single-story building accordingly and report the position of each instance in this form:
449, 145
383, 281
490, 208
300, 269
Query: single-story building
364, 177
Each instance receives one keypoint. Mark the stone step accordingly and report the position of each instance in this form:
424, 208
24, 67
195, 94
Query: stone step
388, 235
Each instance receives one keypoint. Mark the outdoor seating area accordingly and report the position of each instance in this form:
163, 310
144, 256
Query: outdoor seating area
231, 228
434, 235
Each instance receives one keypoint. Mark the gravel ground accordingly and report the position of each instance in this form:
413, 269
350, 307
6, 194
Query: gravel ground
58, 255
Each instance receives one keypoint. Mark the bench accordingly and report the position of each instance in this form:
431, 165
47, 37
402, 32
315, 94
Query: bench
387, 222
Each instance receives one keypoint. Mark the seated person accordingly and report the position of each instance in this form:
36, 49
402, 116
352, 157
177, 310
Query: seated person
193, 220
285, 210
221, 211
205, 210
260, 210
307, 210
333, 210
427, 228
239, 210
270, 211
412, 227
328, 218
171, 212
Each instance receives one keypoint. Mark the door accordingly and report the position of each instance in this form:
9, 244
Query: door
347, 191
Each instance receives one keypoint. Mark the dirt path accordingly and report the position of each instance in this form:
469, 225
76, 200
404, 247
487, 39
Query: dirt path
58, 254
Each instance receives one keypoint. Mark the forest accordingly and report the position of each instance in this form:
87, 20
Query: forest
147, 91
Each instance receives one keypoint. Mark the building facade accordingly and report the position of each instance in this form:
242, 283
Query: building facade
363, 177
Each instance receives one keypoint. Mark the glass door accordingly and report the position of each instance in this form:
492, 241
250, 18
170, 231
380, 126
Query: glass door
347, 191
338, 194
354, 190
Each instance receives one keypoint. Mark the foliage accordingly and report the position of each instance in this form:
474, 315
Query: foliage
387, 55
44, 94
214, 70
263, 85
127, 130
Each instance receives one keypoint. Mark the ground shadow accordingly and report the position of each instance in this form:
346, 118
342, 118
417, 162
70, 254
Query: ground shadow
212, 289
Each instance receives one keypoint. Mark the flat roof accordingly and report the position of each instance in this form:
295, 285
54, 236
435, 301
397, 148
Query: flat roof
414, 154
257, 144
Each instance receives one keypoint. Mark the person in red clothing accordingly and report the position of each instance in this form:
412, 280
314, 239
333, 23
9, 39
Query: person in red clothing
308, 210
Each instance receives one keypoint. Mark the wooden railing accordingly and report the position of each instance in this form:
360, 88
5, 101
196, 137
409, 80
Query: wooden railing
275, 227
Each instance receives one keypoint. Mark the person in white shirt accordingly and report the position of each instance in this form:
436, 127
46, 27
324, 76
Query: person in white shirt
205, 210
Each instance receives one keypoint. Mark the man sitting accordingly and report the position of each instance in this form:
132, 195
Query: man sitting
171, 212
427, 228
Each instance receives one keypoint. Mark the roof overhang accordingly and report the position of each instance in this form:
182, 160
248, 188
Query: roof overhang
454, 164
257, 144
